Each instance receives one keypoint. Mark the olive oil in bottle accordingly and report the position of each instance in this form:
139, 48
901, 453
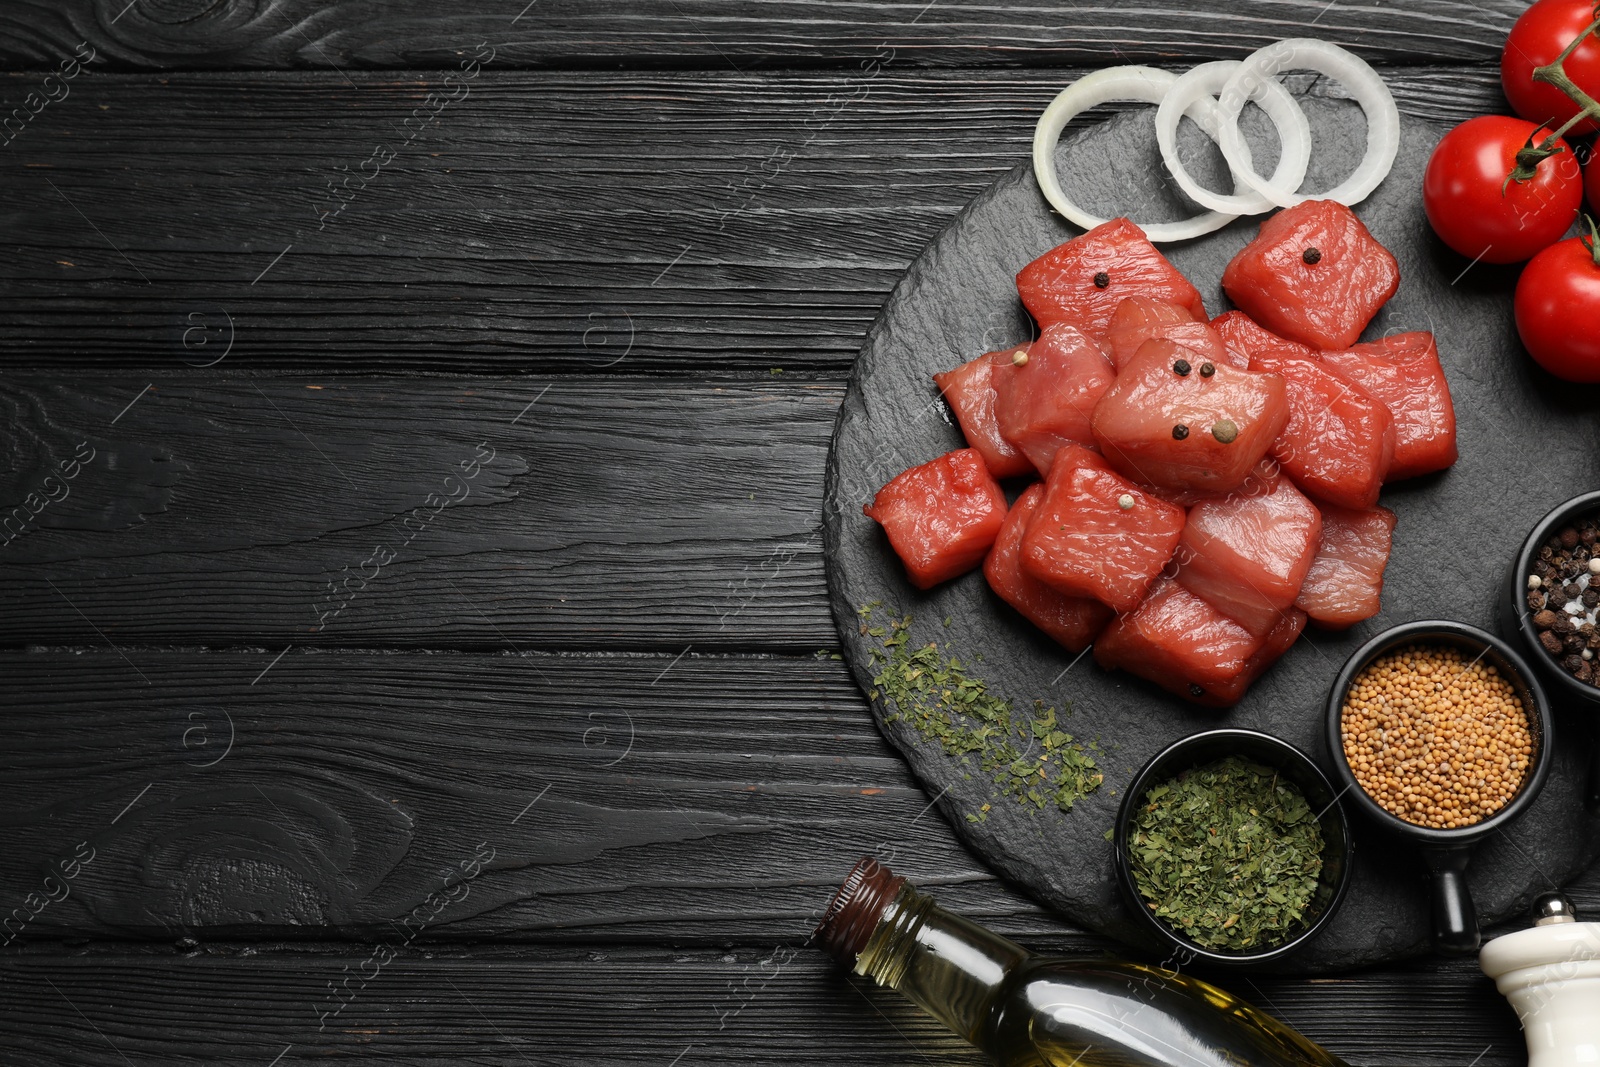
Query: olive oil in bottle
1029, 1011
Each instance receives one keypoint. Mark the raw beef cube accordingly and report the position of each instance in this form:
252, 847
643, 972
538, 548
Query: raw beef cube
1084, 542
1345, 581
1141, 311
1339, 440
1313, 274
1076, 455
1084, 280
1136, 320
1248, 554
1242, 334
970, 391
1167, 423
1049, 401
1073, 621
1184, 498
1139, 319
1279, 641
1178, 641
1403, 372
941, 517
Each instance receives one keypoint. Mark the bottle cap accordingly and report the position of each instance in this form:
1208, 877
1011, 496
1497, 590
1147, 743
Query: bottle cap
848, 923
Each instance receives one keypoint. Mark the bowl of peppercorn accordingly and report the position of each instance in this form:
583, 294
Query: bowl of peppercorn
1551, 604
1231, 846
1552, 597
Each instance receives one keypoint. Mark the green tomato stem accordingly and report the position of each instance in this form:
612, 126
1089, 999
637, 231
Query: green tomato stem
1555, 73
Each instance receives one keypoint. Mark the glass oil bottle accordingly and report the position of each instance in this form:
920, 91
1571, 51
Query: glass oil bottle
1031, 1011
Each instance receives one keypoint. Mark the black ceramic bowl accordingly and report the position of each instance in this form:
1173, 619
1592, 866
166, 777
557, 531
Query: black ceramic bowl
1517, 621
1297, 767
1447, 852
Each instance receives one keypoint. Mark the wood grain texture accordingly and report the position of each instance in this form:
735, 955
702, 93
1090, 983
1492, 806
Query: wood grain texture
616, 223
212, 34
622, 513
703, 225
766, 1007
627, 798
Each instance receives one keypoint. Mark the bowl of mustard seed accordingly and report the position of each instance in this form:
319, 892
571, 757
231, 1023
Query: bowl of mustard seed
1439, 732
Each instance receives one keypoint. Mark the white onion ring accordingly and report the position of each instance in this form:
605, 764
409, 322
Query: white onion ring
1364, 83
1142, 84
1200, 84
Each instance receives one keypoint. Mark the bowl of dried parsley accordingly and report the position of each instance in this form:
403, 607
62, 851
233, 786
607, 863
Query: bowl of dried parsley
1233, 847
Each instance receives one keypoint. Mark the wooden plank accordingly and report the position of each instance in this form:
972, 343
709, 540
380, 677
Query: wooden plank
773, 1005
624, 798
195, 34
478, 513
626, 223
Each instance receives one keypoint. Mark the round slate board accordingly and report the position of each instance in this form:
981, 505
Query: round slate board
1526, 440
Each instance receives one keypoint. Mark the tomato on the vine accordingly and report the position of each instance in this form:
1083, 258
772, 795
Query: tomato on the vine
1476, 212
1557, 304
1538, 37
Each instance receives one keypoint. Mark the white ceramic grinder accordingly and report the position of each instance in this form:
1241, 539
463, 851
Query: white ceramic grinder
1550, 973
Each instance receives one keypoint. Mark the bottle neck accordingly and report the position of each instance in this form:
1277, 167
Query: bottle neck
949, 966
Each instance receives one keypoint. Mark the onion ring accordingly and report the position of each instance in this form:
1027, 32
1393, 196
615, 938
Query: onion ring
1368, 88
1200, 84
1142, 84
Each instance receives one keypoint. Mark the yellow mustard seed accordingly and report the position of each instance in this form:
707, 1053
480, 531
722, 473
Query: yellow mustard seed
1434, 738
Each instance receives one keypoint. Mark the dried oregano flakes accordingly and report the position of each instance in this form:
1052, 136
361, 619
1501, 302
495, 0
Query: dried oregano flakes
1229, 854
1029, 756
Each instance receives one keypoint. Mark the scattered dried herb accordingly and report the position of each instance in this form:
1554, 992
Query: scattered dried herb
1029, 757
1227, 853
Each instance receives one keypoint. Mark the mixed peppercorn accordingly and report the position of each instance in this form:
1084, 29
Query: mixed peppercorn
1563, 595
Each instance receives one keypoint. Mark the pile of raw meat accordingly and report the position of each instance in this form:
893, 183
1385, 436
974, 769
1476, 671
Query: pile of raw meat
1209, 486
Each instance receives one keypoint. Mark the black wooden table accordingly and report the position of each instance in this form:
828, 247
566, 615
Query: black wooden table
418, 643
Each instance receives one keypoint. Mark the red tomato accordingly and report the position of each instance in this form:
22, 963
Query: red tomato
1461, 191
1536, 40
1591, 182
1558, 300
